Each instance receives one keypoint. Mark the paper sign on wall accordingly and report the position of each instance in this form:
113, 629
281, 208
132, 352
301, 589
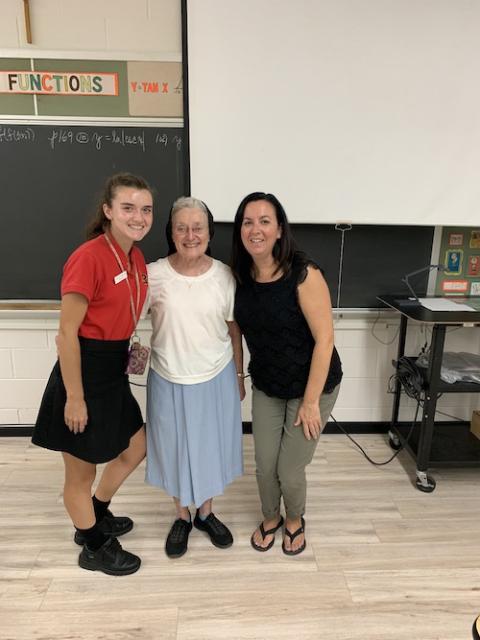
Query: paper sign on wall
155, 89
59, 83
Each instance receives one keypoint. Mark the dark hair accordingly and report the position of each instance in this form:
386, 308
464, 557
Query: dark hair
99, 223
283, 250
187, 202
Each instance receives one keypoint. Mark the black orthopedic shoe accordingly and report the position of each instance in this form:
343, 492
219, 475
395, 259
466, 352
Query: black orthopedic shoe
110, 558
218, 532
177, 539
110, 525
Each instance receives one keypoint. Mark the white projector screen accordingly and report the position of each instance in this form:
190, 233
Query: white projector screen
361, 111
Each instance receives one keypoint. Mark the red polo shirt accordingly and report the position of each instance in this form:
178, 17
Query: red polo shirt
91, 271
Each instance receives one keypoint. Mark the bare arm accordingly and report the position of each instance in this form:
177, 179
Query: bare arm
236, 337
73, 310
314, 299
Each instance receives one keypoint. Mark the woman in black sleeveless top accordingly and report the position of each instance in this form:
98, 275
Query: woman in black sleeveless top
283, 308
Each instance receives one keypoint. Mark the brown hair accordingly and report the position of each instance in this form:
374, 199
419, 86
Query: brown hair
99, 223
283, 250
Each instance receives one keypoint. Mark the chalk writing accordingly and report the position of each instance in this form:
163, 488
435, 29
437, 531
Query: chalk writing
11, 134
161, 138
125, 139
98, 139
114, 137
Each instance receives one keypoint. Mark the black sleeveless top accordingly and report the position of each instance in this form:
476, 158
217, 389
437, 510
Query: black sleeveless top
278, 336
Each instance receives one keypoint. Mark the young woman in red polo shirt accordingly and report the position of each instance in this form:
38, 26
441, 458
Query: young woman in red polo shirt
88, 411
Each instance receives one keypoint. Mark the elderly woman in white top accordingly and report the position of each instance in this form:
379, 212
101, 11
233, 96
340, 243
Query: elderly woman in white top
195, 383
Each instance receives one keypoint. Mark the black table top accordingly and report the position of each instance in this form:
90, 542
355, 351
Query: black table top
415, 311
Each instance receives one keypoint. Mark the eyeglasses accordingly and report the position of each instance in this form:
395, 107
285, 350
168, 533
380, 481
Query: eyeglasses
183, 230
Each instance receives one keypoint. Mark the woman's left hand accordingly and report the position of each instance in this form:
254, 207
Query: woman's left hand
308, 417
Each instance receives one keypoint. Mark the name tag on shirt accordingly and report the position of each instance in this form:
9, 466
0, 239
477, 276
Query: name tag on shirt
120, 277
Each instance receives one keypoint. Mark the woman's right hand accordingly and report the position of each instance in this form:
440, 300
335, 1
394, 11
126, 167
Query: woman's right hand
76, 415
73, 310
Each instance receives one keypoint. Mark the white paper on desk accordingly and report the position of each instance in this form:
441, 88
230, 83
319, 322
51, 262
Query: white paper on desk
444, 304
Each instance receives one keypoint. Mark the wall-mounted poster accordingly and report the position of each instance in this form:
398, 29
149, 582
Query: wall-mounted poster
155, 89
473, 265
54, 82
475, 239
460, 250
454, 287
453, 262
91, 88
455, 239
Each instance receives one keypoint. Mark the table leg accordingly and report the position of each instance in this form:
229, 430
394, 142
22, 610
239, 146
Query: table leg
394, 440
424, 482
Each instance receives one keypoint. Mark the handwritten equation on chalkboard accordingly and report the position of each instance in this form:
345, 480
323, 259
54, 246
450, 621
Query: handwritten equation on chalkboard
116, 136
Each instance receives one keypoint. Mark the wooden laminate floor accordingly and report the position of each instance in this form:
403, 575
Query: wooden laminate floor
383, 561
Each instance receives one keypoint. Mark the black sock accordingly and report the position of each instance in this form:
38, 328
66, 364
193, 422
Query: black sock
94, 537
100, 508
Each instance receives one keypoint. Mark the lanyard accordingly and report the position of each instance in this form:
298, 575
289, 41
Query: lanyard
134, 308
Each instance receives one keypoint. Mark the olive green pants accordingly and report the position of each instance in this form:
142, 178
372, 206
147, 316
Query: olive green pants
282, 452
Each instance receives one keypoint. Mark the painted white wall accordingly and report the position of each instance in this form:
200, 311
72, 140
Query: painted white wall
27, 354
103, 26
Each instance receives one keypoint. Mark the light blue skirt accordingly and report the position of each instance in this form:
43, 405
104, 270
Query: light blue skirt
194, 436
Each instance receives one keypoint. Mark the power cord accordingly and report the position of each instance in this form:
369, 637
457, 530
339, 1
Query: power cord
410, 377
397, 451
377, 338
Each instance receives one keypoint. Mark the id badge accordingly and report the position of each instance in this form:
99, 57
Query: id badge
137, 358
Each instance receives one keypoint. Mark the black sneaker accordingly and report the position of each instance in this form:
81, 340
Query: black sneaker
218, 532
177, 539
110, 559
110, 525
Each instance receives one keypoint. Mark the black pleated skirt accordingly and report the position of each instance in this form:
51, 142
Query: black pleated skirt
113, 413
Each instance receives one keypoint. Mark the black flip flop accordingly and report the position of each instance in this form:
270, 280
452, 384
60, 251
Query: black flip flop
292, 536
476, 629
264, 535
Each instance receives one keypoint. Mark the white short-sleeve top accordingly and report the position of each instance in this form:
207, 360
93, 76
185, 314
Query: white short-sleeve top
190, 339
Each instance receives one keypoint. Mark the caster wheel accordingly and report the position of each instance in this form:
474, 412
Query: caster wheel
425, 484
394, 444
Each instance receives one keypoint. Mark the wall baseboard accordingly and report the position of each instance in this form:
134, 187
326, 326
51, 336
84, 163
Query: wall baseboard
15, 430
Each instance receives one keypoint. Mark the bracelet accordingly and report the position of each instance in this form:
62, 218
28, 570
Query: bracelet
240, 374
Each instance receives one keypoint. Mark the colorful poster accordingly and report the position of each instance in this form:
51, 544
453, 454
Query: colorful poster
474, 265
59, 83
455, 239
453, 262
475, 239
455, 286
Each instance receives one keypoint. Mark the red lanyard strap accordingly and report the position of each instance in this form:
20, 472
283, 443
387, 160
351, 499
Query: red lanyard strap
134, 308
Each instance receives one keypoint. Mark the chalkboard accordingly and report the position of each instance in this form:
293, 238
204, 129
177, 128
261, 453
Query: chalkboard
365, 261
50, 178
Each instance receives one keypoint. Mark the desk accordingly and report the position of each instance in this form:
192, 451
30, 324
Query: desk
411, 309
